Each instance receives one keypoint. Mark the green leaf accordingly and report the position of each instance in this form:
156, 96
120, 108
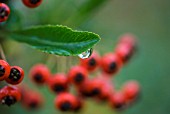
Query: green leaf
86, 10
90, 5
59, 40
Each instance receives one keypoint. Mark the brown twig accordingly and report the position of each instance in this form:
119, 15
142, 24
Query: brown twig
2, 55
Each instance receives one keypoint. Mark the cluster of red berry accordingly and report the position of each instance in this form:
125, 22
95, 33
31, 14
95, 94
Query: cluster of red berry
12, 75
100, 88
5, 10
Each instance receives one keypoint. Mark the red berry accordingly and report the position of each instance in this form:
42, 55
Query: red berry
77, 75
117, 100
4, 12
128, 39
58, 83
84, 90
32, 3
126, 47
125, 52
92, 62
32, 99
79, 105
91, 88
96, 86
9, 95
16, 75
4, 70
39, 74
106, 91
131, 90
65, 102
111, 63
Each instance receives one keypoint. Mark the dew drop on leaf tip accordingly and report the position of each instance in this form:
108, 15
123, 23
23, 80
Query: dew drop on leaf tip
86, 54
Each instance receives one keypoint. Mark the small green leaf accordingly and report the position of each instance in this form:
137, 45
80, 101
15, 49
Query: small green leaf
59, 40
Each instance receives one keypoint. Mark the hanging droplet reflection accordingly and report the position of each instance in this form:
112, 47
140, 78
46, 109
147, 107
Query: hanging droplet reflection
86, 54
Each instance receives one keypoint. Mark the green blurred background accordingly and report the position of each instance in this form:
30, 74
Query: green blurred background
149, 20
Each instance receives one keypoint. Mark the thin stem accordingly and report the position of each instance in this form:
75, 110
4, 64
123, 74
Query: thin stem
2, 54
51, 61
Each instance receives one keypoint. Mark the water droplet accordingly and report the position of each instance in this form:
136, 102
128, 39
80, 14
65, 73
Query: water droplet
3, 101
86, 54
